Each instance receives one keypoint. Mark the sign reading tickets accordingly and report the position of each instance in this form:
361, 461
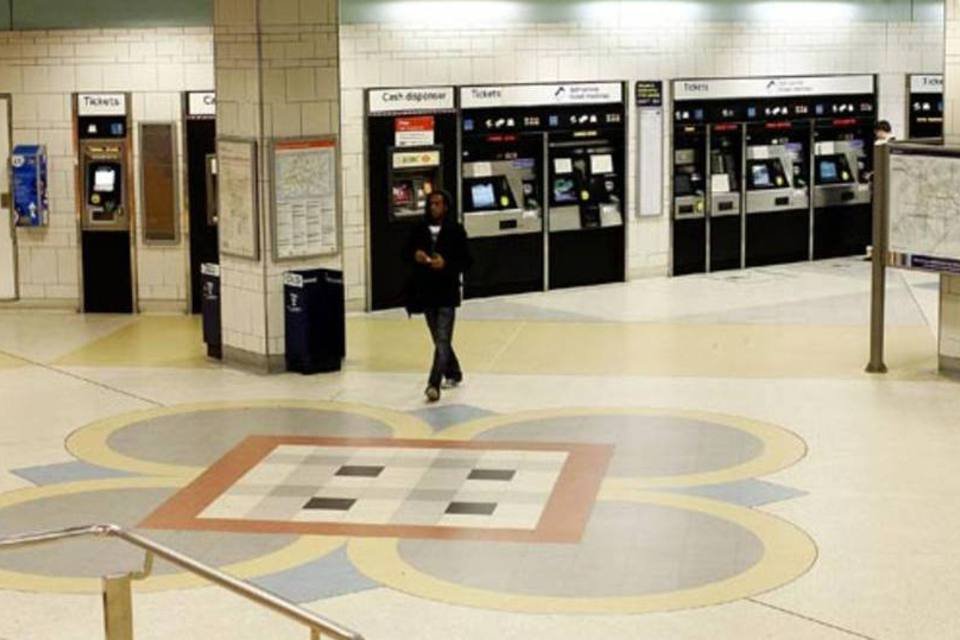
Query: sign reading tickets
101, 104
789, 86
534, 95
238, 224
28, 164
305, 198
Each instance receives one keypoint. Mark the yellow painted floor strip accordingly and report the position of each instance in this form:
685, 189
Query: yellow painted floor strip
642, 349
571, 348
150, 341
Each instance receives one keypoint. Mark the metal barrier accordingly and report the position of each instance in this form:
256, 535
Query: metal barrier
118, 593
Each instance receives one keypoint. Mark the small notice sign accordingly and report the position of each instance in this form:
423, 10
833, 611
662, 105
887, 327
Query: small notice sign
415, 131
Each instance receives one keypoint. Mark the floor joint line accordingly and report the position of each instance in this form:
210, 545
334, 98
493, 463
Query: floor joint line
823, 623
77, 376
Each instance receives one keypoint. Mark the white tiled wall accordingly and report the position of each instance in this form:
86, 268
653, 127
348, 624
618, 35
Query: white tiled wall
390, 55
41, 70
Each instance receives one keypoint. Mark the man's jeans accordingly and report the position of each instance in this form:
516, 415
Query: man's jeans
445, 363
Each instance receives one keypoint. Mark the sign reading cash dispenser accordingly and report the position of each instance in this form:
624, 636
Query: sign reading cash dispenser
29, 185
202, 103
531, 95
411, 99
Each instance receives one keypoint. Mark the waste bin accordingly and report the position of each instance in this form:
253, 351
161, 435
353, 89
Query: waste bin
210, 307
315, 320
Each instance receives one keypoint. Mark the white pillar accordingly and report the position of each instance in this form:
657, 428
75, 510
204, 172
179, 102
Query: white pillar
277, 71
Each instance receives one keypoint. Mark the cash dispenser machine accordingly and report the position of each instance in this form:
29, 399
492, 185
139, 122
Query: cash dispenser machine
924, 106
411, 152
106, 215
542, 185
200, 109
805, 154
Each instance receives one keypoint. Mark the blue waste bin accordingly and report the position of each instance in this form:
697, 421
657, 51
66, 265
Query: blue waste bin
316, 333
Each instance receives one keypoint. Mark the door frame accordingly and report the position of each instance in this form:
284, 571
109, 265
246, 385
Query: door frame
15, 246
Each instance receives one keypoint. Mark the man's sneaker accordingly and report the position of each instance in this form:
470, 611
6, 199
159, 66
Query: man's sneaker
433, 394
450, 383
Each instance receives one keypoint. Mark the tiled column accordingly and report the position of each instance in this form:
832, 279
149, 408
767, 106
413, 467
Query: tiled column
277, 68
949, 347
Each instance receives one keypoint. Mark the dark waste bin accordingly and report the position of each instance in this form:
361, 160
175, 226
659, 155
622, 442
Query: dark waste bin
316, 332
210, 306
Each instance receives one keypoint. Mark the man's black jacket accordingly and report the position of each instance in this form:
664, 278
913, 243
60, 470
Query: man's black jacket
432, 288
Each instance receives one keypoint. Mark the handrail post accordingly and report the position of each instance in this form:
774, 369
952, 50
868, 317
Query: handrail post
315, 634
878, 293
118, 607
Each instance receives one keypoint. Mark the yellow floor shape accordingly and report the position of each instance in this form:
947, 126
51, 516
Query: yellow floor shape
150, 341
525, 347
642, 349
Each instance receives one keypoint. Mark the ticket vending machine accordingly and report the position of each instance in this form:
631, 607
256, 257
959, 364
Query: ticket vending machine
924, 106
587, 196
724, 196
793, 210
842, 163
200, 127
501, 192
543, 186
106, 214
411, 152
778, 193
689, 199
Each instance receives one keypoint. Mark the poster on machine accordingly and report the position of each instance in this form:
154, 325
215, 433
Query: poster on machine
305, 198
239, 229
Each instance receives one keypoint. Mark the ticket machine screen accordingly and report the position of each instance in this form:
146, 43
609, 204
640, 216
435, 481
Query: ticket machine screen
564, 189
833, 169
105, 180
761, 175
600, 164
483, 196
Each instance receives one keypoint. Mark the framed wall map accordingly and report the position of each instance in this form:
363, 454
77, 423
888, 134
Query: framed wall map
305, 197
239, 211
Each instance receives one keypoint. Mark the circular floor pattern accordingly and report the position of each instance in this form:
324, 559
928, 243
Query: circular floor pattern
78, 565
646, 446
628, 549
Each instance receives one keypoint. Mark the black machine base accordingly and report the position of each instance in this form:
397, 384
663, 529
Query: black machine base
215, 351
842, 231
689, 246
505, 265
107, 278
586, 257
778, 237
725, 239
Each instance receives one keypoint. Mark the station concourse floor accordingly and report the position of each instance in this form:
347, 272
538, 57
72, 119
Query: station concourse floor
690, 458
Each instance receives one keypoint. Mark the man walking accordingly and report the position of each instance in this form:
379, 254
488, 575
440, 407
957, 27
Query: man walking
438, 250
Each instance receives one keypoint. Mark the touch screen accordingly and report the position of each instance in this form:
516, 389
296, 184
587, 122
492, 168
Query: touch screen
761, 175
105, 180
483, 196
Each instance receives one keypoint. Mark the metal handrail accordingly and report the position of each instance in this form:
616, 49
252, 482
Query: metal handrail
315, 623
